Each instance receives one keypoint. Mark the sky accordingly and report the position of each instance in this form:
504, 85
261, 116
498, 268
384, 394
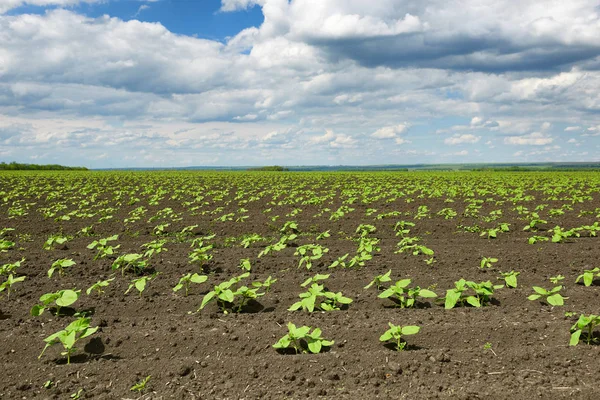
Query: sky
173, 83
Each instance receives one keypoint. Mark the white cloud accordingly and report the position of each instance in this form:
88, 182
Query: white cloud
390, 132
462, 139
534, 139
6, 5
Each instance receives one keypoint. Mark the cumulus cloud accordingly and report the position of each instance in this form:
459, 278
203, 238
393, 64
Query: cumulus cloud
532, 139
6, 5
462, 139
390, 132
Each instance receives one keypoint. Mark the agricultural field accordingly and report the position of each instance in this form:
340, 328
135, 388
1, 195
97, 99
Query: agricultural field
230, 285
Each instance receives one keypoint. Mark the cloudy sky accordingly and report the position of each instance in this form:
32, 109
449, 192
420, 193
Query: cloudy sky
133, 83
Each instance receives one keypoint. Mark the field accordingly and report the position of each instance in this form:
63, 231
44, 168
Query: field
233, 229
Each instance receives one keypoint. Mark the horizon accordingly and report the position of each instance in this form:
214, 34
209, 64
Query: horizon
171, 84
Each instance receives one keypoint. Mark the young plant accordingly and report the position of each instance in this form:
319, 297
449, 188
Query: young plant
99, 286
588, 276
553, 297
60, 265
315, 279
103, 248
487, 262
379, 279
460, 294
302, 340
9, 282
309, 253
187, 279
201, 255
62, 298
587, 323
133, 261
510, 278
395, 333
69, 336
6, 245
54, 240
10, 268
154, 247
404, 296
245, 264
140, 283
266, 284
141, 385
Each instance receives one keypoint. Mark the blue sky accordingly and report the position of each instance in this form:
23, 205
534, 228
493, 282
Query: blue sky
117, 83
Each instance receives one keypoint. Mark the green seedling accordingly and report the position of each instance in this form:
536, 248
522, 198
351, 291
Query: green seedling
588, 276
460, 295
246, 294
140, 283
535, 239
103, 248
488, 346
309, 298
266, 284
154, 247
309, 253
379, 279
302, 340
396, 332
553, 297
201, 254
334, 300
315, 279
60, 265
323, 235
248, 240
69, 336
130, 262
223, 293
587, 323
339, 262
404, 296
55, 240
487, 262
9, 282
141, 385
62, 298
99, 286
187, 279
245, 264
510, 278
556, 279
77, 394
7, 269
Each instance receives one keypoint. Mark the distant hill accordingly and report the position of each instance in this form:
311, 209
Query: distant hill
557, 166
13, 166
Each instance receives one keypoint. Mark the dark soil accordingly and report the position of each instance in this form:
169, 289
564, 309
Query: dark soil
212, 355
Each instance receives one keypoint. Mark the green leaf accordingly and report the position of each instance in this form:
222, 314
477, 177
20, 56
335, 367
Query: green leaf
410, 329
67, 298
555, 300
425, 293
386, 336
37, 310
474, 301
452, 297
314, 346
575, 338
207, 297
540, 290
533, 297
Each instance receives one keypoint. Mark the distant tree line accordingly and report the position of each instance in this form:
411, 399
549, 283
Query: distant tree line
269, 168
14, 166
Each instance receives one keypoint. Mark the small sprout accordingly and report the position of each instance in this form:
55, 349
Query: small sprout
62, 298
74, 332
302, 340
77, 394
556, 279
588, 276
587, 323
60, 265
315, 279
553, 297
141, 385
266, 284
404, 296
396, 332
487, 262
7, 285
379, 279
140, 283
184, 282
488, 346
510, 278
48, 384
99, 286
245, 264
